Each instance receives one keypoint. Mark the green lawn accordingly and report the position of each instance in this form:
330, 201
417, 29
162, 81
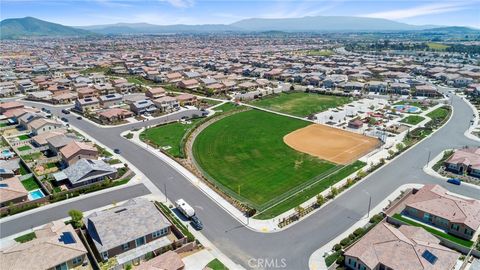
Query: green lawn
217, 265
246, 154
412, 119
300, 103
3, 124
439, 113
23, 137
23, 169
26, 237
30, 184
312, 191
210, 102
447, 236
24, 148
226, 107
103, 152
437, 46
168, 135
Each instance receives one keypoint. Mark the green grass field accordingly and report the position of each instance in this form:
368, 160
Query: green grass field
226, 107
300, 103
439, 113
412, 119
168, 135
437, 46
245, 153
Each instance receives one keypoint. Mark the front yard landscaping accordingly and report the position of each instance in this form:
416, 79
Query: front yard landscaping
30, 184
463, 242
102, 151
300, 103
26, 237
33, 156
439, 114
412, 119
216, 265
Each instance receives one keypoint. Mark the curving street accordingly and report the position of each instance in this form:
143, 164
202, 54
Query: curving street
294, 244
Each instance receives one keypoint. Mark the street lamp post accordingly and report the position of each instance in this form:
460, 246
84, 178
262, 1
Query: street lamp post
369, 202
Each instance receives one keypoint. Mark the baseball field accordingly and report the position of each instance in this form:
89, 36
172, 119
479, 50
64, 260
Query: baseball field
246, 156
332, 144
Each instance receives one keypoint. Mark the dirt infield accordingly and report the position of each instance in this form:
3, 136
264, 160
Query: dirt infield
332, 144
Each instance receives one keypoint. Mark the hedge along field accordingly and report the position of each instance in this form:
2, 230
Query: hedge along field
245, 154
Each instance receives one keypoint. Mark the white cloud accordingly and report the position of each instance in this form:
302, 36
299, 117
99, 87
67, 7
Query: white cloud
418, 11
180, 3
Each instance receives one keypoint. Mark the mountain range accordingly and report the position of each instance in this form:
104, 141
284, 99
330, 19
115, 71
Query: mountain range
29, 26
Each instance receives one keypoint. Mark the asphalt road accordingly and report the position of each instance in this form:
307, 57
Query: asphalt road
297, 243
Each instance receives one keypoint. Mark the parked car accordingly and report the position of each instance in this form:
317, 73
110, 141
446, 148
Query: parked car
79, 118
454, 181
196, 223
65, 111
64, 119
116, 151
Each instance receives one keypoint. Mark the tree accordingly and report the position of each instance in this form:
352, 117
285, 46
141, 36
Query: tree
320, 199
77, 218
333, 191
391, 152
292, 88
400, 146
300, 210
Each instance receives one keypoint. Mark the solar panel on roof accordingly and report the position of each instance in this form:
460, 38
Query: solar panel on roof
67, 238
427, 255
3, 185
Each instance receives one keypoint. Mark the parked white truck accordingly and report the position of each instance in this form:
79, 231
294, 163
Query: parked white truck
185, 208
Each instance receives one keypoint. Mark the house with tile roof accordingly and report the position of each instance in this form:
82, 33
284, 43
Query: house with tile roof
73, 151
465, 160
56, 246
129, 231
386, 247
12, 191
42, 125
436, 206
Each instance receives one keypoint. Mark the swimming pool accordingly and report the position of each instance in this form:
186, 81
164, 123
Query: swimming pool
35, 194
7, 153
407, 108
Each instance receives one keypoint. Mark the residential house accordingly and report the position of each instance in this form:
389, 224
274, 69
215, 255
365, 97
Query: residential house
10, 105
174, 77
87, 104
110, 100
386, 247
156, 92
436, 206
114, 115
187, 99
75, 151
42, 125
143, 106
129, 231
466, 160
87, 92
377, 87
166, 103
191, 84
426, 91
26, 86
56, 247
85, 172
12, 191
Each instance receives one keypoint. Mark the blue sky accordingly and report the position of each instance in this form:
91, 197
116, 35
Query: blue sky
89, 12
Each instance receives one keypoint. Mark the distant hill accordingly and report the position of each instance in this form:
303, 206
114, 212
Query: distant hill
29, 27
324, 24
453, 29
145, 28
